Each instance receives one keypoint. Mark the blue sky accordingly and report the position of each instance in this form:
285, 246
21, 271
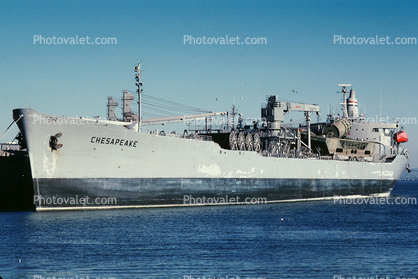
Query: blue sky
300, 55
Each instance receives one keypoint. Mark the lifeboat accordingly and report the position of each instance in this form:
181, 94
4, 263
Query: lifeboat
400, 137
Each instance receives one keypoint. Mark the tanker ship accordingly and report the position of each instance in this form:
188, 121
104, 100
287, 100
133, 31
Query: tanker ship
80, 163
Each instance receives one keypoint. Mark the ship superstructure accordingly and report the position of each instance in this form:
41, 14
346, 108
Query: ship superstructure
99, 158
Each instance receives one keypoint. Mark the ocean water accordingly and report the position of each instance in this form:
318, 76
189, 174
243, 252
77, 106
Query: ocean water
325, 239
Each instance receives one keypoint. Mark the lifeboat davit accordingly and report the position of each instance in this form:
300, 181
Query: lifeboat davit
400, 137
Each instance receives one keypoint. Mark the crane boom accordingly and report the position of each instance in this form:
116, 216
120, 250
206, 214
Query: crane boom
175, 119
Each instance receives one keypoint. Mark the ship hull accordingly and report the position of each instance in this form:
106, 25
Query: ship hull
16, 186
57, 194
100, 160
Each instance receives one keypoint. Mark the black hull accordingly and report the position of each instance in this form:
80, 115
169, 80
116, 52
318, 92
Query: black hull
114, 193
16, 187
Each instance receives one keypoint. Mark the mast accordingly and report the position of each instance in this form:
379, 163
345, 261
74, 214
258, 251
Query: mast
139, 91
308, 124
344, 103
233, 117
